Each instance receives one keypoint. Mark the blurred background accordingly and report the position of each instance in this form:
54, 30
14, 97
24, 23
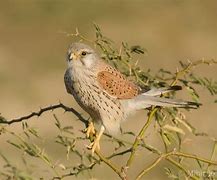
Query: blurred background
33, 48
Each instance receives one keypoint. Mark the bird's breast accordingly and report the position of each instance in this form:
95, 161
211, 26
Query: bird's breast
93, 99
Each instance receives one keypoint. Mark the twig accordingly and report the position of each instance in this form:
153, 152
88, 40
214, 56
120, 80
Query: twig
140, 137
143, 172
112, 166
119, 154
158, 160
79, 35
81, 169
190, 66
178, 165
191, 156
45, 109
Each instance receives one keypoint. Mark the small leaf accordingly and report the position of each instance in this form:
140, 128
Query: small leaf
151, 148
63, 167
137, 49
185, 124
98, 31
129, 133
14, 144
170, 174
5, 158
33, 132
165, 138
165, 71
174, 128
193, 93
68, 128
57, 123
214, 151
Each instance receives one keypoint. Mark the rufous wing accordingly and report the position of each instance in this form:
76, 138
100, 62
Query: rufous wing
115, 84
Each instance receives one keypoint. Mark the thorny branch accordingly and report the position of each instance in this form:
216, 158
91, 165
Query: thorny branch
189, 66
140, 137
42, 111
168, 155
124, 56
132, 150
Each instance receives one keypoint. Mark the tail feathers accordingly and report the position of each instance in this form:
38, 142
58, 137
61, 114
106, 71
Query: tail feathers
160, 91
143, 101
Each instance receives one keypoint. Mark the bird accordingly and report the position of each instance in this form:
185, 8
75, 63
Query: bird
106, 94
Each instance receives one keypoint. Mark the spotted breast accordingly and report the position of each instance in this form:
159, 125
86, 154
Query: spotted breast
91, 96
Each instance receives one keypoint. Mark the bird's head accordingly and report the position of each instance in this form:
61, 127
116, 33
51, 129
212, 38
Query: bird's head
82, 55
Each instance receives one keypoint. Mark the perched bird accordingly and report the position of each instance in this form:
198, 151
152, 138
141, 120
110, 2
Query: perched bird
106, 94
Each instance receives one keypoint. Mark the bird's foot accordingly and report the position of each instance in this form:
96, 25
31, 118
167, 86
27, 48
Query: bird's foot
94, 146
90, 130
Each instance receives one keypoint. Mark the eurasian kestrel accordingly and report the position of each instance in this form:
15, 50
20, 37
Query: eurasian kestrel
106, 94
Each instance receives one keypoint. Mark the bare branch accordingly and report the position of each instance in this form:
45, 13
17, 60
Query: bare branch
43, 110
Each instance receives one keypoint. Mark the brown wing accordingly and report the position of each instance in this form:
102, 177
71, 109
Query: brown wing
115, 84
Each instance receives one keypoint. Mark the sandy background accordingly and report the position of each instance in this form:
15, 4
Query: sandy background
32, 55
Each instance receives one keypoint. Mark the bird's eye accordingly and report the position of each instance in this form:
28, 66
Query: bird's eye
84, 53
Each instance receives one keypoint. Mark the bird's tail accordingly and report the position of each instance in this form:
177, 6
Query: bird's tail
143, 101
148, 99
160, 91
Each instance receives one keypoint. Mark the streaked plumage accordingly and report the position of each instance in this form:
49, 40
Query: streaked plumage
105, 93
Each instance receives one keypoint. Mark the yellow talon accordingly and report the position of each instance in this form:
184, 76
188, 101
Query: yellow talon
90, 130
94, 146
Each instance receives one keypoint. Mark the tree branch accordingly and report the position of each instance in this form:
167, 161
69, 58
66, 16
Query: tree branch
140, 137
177, 164
112, 166
43, 110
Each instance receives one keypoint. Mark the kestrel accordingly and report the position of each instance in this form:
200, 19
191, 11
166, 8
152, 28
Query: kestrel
106, 94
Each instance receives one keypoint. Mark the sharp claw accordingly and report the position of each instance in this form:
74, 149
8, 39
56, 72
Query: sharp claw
95, 144
89, 146
90, 130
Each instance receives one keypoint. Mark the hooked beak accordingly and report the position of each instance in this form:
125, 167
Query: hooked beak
74, 56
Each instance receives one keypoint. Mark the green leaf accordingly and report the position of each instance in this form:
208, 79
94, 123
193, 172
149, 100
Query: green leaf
57, 123
193, 93
137, 49
185, 124
129, 133
171, 174
166, 138
98, 31
14, 144
33, 132
214, 151
68, 128
173, 128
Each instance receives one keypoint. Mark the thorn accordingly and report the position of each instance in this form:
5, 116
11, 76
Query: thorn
136, 63
177, 70
76, 31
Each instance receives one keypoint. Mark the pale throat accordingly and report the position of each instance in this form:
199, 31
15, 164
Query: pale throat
79, 72
89, 61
